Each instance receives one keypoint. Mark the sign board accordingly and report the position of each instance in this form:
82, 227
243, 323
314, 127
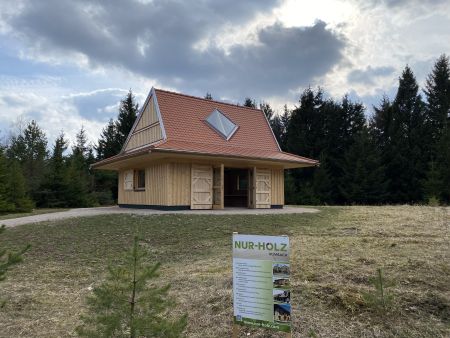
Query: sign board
261, 275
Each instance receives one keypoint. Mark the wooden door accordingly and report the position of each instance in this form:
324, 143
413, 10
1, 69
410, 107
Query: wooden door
201, 186
218, 185
263, 188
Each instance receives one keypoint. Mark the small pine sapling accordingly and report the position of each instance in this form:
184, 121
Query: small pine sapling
380, 299
126, 304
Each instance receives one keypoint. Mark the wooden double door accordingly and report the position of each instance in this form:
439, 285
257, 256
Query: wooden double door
207, 187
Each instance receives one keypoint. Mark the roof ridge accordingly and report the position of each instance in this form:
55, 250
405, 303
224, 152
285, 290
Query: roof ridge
208, 100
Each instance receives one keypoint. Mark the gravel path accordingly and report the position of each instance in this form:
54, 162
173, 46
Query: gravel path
83, 212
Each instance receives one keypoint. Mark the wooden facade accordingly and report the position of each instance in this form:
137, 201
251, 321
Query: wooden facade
197, 186
185, 152
147, 130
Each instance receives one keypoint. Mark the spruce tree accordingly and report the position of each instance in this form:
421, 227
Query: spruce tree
248, 102
56, 184
438, 117
127, 115
267, 110
437, 92
279, 124
29, 149
305, 136
129, 304
406, 156
17, 189
364, 180
5, 203
108, 144
79, 183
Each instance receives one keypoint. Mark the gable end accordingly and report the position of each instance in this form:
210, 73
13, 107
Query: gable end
148, 127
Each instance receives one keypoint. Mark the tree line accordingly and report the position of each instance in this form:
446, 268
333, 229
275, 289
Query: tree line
400, 154
31, 175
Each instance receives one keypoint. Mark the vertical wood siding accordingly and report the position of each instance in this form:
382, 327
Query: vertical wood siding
180, 183
277, 187
148, 129
156, 187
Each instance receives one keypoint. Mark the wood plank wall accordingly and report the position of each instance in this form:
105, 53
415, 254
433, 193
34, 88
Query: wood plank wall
277, 187
180, 183
169, 184
148, 129
156, 187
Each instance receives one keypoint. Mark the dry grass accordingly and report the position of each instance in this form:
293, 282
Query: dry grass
335, 252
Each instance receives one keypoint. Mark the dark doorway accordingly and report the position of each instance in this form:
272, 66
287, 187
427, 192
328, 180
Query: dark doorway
235, 187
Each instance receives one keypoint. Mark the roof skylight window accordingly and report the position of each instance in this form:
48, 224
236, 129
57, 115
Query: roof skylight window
221, 124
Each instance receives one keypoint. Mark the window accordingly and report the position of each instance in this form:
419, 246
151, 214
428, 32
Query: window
139, 179
221, 124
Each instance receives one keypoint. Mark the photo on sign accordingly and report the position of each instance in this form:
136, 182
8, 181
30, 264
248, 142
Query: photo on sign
280, 282
282, 313
281, 296
281, 269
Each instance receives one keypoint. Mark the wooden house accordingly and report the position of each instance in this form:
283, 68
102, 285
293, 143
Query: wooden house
185, 152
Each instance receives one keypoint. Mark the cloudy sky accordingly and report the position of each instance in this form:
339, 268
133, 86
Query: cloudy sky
68, 63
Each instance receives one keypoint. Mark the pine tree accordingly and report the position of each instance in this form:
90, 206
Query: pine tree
438, 117
405, 155
437, 92
79, 183
248, 102
363, 181
29, 149
127, 305
267, 110
108, 144
17, 190
56, 185
127, 115
5, 204
279, 126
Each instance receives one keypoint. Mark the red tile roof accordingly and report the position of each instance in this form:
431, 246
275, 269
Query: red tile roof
184, 120
186, 130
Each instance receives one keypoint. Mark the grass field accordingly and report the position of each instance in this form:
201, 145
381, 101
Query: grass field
335, 253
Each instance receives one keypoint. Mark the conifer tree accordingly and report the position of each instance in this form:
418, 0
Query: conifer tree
78, 190
108, 144
279, 126
267, 110
438, 116
17, 190
29, 149
56, 185
364, 180
248, 102
405, 155
437, 92
127, 115
127, 305
5, 203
